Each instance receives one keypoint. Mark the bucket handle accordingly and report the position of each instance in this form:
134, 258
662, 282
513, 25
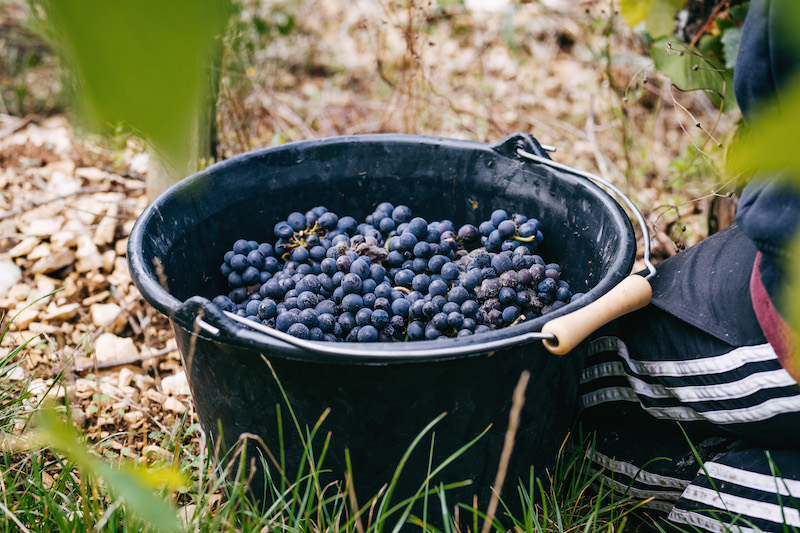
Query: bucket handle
632, 293
214, 322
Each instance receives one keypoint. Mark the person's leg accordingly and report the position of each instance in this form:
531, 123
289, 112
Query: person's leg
745, 489
694, 357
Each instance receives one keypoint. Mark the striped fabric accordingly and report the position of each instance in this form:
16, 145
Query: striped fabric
737, 487
744, 385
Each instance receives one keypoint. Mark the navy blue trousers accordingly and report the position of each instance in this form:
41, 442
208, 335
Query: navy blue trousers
689, 404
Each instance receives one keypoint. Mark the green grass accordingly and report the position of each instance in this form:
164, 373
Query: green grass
53, 479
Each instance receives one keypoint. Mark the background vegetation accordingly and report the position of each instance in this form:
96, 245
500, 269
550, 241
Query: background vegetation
632, 90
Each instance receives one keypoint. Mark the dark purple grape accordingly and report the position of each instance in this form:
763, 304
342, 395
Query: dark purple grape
468, 233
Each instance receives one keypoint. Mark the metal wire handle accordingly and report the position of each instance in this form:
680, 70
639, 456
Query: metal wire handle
621, 195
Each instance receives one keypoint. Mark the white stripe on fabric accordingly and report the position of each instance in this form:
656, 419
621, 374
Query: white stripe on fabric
667, 498
753, 480
693, 393
603, 370
717, 364
717, 392
691, 367
635, 472
609, 394
603, 344
708, 523
737, 505
754, 413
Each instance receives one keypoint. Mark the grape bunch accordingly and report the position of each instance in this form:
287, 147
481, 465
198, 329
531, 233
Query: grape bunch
392, 277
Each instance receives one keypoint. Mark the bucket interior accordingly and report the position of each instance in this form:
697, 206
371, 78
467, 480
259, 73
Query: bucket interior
188, 229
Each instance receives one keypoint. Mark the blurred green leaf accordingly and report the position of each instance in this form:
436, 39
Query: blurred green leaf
689, 70
634, 11
771, 146
146, 63
730, 46
133, 485
657, 15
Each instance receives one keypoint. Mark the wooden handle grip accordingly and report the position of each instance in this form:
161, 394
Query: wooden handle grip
632, 293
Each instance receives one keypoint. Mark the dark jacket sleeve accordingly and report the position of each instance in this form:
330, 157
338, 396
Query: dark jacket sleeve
769, 209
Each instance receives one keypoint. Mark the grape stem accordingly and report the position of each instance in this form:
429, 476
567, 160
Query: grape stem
519, 319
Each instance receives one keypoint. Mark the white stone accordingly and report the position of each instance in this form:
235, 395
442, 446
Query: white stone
63, 239
176, 385
23, 247
130, 394
175, 406
89, 258
64, 166
24, 317
121, 246
106, 229
120, 275
10, 274
108, 315
139, 163
63, 184
42, 250
63, 312
91, 173
44, 285
19, 292
155, 396
54, 262
143, 382
38, 386
186, 514
108, 258
125, 377
39, 327
131, 417
46, 226
15, 374
86, 247
109, 347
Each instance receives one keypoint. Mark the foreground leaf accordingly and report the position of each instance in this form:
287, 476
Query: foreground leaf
771, 147
132, 485
657, 15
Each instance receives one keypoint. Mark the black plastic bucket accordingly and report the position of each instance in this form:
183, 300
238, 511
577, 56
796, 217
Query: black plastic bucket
380, 395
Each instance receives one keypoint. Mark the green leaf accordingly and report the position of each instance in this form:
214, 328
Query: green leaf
771, 143
690, 71
133, 485
147, 63
660, 18
658, 15
634, 11
730, 46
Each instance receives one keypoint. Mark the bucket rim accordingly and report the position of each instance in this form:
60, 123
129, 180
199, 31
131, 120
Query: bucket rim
184, 314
